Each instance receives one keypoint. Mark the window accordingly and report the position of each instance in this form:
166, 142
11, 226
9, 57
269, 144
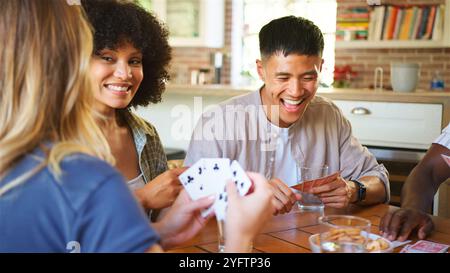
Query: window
257, 13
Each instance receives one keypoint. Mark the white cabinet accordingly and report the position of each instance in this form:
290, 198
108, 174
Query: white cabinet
199, 23
393, 124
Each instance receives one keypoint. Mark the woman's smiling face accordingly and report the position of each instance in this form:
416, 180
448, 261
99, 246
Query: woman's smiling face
117, 74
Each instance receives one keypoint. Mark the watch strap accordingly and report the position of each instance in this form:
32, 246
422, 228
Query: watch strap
360, 189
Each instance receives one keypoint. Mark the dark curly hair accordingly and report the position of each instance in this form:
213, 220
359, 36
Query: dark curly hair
116, 22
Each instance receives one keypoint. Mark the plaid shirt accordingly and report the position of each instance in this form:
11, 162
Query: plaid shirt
152, 159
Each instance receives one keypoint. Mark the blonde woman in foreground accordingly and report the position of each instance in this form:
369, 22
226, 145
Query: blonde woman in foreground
56, 192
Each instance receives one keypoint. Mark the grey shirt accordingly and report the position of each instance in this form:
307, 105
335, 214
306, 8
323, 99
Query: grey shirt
239, 129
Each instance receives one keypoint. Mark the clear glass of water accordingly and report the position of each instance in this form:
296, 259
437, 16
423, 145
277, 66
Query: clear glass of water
221, 238
309, 201
343, 234
221, 235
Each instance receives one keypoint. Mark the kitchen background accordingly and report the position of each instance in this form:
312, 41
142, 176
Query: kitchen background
215, 42
362, 58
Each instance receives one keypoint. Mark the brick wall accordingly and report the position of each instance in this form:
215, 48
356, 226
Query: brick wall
364, 61
186, 59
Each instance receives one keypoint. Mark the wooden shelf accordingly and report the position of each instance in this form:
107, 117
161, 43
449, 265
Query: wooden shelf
391, 44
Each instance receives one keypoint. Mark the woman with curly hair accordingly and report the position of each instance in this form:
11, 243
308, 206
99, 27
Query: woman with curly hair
130, 68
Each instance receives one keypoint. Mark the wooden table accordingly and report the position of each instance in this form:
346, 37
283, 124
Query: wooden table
289, 233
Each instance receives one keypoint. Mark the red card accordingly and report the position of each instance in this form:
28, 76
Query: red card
308, 185
423, 246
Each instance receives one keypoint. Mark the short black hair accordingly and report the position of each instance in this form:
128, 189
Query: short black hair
290, 34
116, 22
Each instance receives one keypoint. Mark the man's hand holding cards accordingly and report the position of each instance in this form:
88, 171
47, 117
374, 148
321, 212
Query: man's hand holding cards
306, 186
208, 176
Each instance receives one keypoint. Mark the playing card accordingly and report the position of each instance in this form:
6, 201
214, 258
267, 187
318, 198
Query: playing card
220, 205
423, 246
193, 180
446, 159
217, 173
306, 186
240, 178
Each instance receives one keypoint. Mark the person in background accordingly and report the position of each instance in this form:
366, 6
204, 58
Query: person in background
56, 192
418, 192
129, 68
284, 123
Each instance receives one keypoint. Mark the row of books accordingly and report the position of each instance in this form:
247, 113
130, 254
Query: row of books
406, 23
424, 22
352, 24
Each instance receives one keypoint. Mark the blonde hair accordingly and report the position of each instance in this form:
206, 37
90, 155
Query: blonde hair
45, 90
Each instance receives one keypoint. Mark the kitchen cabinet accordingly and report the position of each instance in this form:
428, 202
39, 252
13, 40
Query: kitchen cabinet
193, 23
397, 128
393, 124
397, 133
444, 40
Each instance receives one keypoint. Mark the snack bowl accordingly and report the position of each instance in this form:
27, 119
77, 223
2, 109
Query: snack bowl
376, 244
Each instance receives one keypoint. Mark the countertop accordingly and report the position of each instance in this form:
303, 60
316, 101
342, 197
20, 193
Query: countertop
419, 96
230, 90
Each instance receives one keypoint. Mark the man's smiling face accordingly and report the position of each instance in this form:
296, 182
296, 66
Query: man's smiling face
290, 83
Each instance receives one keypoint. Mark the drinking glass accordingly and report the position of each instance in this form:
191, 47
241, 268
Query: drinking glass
309, 201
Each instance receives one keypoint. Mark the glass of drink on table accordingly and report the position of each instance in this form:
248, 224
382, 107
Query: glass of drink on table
343, 234
309, 201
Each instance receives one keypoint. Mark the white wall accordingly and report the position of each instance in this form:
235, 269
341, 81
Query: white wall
176, 116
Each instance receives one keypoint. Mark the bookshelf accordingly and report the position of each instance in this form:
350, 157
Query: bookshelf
443, 41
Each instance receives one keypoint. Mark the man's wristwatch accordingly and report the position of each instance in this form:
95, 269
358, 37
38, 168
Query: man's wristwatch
360, 189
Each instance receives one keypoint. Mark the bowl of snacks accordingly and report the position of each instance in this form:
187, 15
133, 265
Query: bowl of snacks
375, 244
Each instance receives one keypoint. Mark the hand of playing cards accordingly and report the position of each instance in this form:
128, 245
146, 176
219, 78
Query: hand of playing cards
306, 186
209, 176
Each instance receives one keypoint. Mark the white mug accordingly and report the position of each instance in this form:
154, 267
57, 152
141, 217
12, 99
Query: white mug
404, 76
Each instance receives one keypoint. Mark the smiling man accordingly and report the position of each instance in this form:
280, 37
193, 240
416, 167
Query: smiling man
284, 125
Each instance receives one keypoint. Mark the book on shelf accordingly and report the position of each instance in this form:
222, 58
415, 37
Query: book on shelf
423, 22
436, 33
378, 21
405, 26
398, 22
430, 23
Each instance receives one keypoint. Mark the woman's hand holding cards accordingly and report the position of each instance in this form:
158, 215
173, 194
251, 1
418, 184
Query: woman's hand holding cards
247, 214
